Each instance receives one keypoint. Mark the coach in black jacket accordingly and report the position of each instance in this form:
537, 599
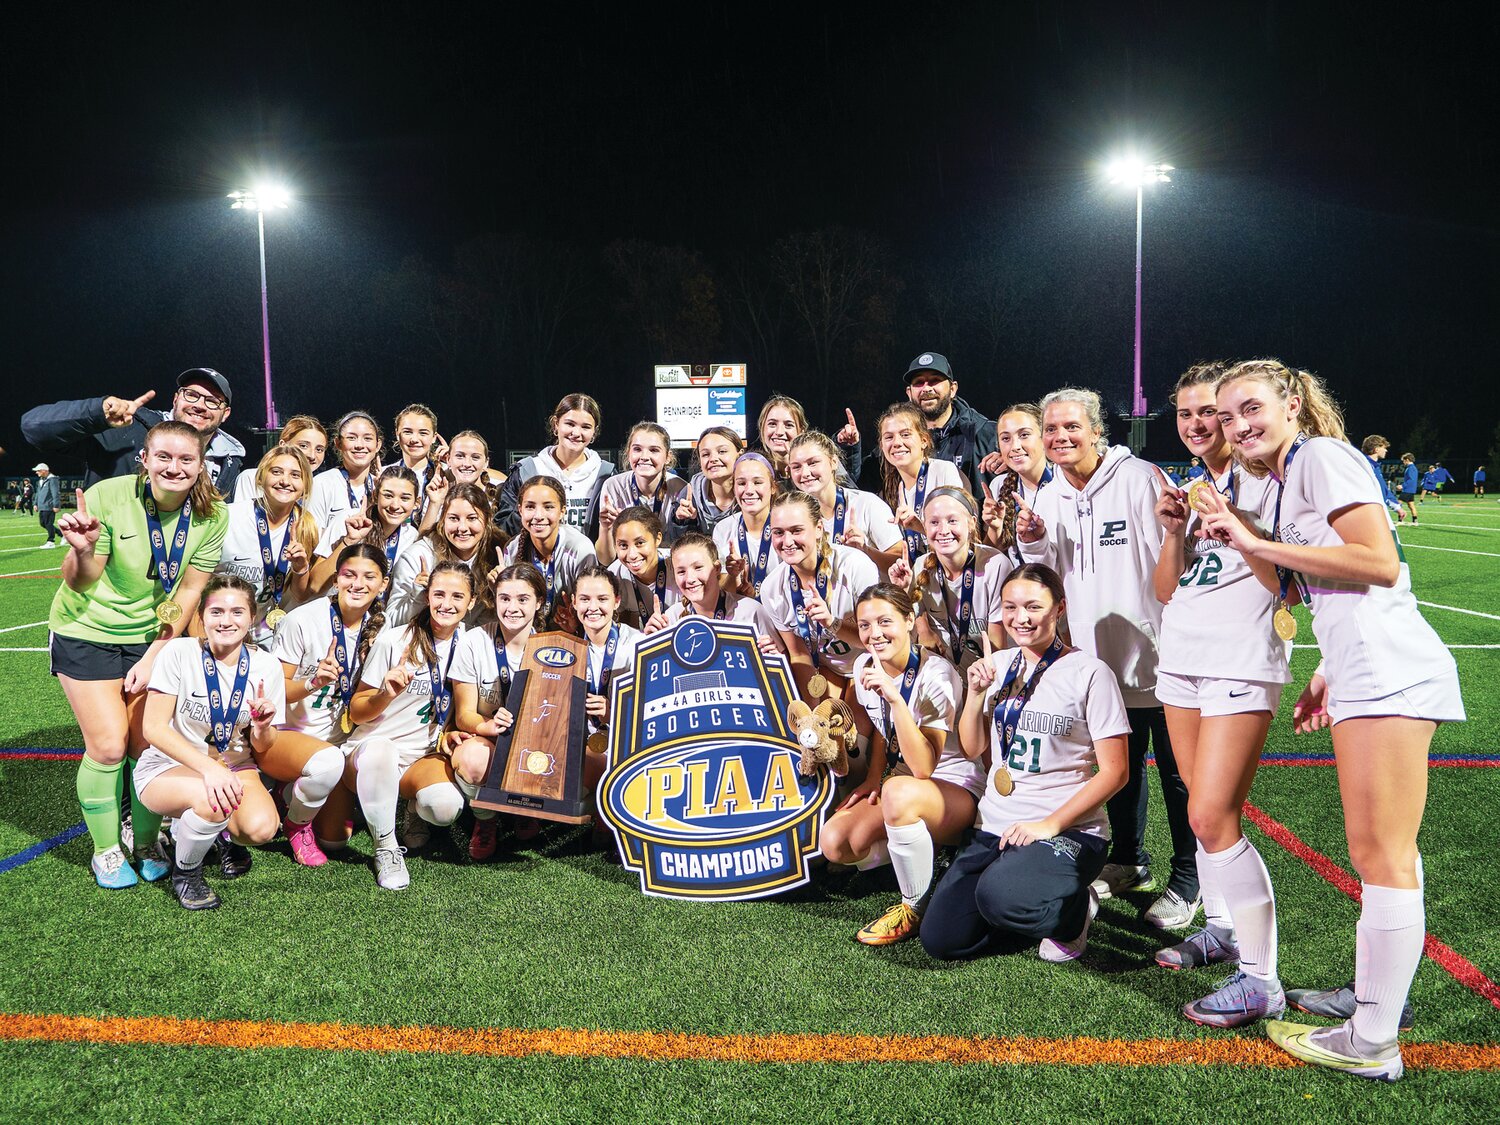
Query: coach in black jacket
960, 433
109, 433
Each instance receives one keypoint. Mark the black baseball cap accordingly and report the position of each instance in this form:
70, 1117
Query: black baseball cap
206, 375
929, 361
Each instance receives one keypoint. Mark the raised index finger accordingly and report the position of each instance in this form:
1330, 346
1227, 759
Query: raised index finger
849, 414
139, 402
83, 508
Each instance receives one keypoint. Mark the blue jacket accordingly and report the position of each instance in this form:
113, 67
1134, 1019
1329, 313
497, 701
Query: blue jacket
77, 427
48, 494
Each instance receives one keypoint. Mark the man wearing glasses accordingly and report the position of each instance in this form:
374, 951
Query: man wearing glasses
109, 432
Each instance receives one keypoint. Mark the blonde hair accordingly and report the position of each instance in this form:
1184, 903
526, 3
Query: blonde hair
825, 542
666, 440
1092, 406
305, 527
1318, 415
1010, 483
927, 578
822, 442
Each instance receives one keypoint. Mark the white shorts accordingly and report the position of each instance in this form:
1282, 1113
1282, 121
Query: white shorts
1437, 699
1211, 697
968, 776
408, 753
153, 763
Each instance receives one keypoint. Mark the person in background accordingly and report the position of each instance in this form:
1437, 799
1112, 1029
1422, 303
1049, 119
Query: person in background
1479, 481
108, 433
1408, 491
959, 432
1375, 448
48, 500
574, 424
307, 434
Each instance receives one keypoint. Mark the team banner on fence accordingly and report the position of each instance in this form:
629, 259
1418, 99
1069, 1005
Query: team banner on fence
703, 792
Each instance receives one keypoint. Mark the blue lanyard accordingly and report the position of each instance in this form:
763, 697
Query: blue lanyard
369, 488
656, 502
274, 569
1284, 574
341, 651
167, 565
1008, 712
760, 562
224, 717
502, 664
840, 509
915, 539
958, 631
442, 691
598, 684
908, 686
805, 627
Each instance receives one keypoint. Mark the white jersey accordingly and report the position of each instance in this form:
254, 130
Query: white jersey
178, 671
622, 662
636, 596
941, 473
942, 601
1077, 703
727, 540
620, 491
302, 640
477, 662
1026, 494
332, 540
1103, 540
329, 502
745, 610
936, 697
871, 515
1218, 622
1375, 642
852, 573
409, 720
572, 549
241, 556
246, 491
408, 598
580, 483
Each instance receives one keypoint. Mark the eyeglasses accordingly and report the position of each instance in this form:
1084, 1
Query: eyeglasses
193, 398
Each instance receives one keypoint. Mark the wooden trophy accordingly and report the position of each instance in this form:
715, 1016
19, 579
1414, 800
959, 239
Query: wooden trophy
537, 769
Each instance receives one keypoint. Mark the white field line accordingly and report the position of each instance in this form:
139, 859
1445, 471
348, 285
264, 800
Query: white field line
1464, 526
1295, 647
18, 628
44, 570
18, 550
1460, 609
1423, 547
23, 650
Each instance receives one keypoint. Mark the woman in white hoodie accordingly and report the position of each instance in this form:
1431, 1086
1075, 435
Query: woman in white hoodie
569, 461
1095, 524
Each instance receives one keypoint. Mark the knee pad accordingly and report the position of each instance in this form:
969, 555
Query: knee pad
439, 805
378, 754
325, 768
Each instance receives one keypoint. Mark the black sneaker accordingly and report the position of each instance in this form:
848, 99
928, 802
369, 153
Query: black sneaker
191, 889
234, 859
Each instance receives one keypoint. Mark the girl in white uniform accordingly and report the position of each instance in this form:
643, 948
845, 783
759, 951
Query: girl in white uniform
695, 566
322, 646
549, 544
464, 535
648, 482
744, 538
270, 541
612, 648
1023, 473
709, 496
351, 483
1385, 683
1052, 719
418, 442
399, 710
1220, 680
487, 661
648, 587
1095, 524
852, 518
811, 593
211, 704
909, 473
307, 434
387, 525
577, 469
919, 789
957, 583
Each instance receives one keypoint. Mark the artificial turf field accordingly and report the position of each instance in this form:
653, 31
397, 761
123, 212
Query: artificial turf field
543, 986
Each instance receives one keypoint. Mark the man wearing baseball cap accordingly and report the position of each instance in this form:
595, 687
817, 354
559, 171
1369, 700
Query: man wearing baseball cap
108, 433
48, 496
961, 434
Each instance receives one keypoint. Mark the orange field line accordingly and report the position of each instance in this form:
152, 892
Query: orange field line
673, 1046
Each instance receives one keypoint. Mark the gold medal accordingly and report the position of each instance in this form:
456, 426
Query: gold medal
1004, 783
598, 743
168, 612
1284, 623
346, 724
817, 686
1197, 495
275, 617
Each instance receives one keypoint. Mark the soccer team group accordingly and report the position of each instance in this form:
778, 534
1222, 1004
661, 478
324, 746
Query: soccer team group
1013, 619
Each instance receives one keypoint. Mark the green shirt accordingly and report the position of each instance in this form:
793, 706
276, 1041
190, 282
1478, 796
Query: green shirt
120, 609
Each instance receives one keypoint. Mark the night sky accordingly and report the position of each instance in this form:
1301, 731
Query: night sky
498, 207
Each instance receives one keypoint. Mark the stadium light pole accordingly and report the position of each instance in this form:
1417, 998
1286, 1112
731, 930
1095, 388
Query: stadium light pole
260, 199
1136, 173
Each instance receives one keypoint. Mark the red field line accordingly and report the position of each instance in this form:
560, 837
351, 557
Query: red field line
1454, 963
675, 1046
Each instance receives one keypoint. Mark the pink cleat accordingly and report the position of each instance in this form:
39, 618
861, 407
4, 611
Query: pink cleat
304, 843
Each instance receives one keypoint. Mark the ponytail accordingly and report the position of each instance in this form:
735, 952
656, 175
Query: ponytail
1318, 415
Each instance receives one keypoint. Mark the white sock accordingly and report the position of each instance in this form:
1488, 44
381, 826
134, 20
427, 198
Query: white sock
193, 836
310, 791
911, 856
1241, 877
1215, 912
470, 790
378, 782
1387, 949
878, 856
440, 804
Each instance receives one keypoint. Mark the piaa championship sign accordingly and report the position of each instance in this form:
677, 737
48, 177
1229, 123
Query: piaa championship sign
703, 793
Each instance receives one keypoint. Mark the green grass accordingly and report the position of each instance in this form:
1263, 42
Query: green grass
550, 935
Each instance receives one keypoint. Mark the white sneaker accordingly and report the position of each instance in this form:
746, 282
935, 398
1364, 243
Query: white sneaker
1062, 951
1172, 912
390, 869
47, 546
1117, 878
415, 831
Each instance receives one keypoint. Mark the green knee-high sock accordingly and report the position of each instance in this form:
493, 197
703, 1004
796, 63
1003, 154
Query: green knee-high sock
145, 825
99, 790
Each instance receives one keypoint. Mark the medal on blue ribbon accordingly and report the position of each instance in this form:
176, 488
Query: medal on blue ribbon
599, 684
274, 569
908, 685
224, 716
810, 632
760, 562
1282, 620
442, 691
958, 624
166, 565
345, 658
915, 539
1010, 707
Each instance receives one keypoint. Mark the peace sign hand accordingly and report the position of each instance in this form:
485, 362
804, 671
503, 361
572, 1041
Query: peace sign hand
494, 575
328, 670
79, 529
849, 434
121, 411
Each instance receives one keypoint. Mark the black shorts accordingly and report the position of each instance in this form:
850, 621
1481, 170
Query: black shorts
1406, 497
88, 660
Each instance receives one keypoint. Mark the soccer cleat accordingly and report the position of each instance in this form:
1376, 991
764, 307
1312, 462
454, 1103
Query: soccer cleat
153, 862
390, 869
1060, 951
896, 924
526, 827
111, 871
47, 546
1117, 878
191, 889
304, 843
482, 839
1199, 948
414, 830
1334, 1048
234, 859
1172, 912
1336, 1003
1240, 1000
